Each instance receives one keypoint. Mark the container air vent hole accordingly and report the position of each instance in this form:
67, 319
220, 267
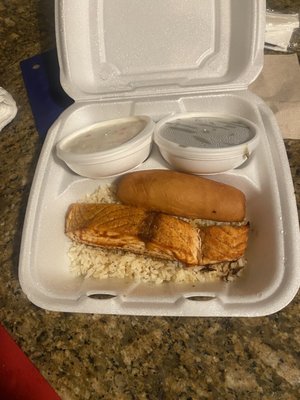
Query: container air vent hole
101, 296
201, 298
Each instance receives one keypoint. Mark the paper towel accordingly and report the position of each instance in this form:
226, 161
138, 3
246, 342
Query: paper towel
279, 86
279, 30
8, 108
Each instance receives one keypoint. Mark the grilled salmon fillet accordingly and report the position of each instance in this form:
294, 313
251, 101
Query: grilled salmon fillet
223, 243
155, 234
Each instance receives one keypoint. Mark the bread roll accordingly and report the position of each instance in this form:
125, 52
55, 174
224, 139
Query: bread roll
181, 194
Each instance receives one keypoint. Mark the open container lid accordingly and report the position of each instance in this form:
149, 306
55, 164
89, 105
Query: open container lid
129, 48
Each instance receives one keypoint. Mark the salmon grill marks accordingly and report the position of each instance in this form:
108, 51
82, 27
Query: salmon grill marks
174, 237
223, 243
157, 235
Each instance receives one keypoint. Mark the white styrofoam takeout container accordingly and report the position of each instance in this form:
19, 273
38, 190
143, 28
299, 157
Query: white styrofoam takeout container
120, 58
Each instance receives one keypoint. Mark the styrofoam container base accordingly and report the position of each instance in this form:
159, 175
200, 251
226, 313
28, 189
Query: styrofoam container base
272, 276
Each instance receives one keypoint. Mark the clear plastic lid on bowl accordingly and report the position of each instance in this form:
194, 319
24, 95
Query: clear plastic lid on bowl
107, 147
225, 141
106, 139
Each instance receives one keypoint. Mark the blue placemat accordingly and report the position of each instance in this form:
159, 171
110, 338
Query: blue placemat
46, 96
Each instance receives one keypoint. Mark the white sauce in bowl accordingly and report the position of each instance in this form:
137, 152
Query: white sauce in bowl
104, 136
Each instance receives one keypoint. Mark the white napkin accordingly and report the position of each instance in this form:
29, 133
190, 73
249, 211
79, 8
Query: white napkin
279, 86
8, 108
279, 30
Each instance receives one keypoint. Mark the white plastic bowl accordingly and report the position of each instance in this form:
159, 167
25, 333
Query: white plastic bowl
107, 148
205, 143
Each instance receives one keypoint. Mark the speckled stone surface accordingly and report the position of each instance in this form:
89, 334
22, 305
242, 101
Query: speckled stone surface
121, 357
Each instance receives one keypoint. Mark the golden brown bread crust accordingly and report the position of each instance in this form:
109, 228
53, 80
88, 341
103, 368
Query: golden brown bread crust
181, 194
154, 234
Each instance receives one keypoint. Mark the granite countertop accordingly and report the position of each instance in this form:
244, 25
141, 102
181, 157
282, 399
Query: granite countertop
122, 357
